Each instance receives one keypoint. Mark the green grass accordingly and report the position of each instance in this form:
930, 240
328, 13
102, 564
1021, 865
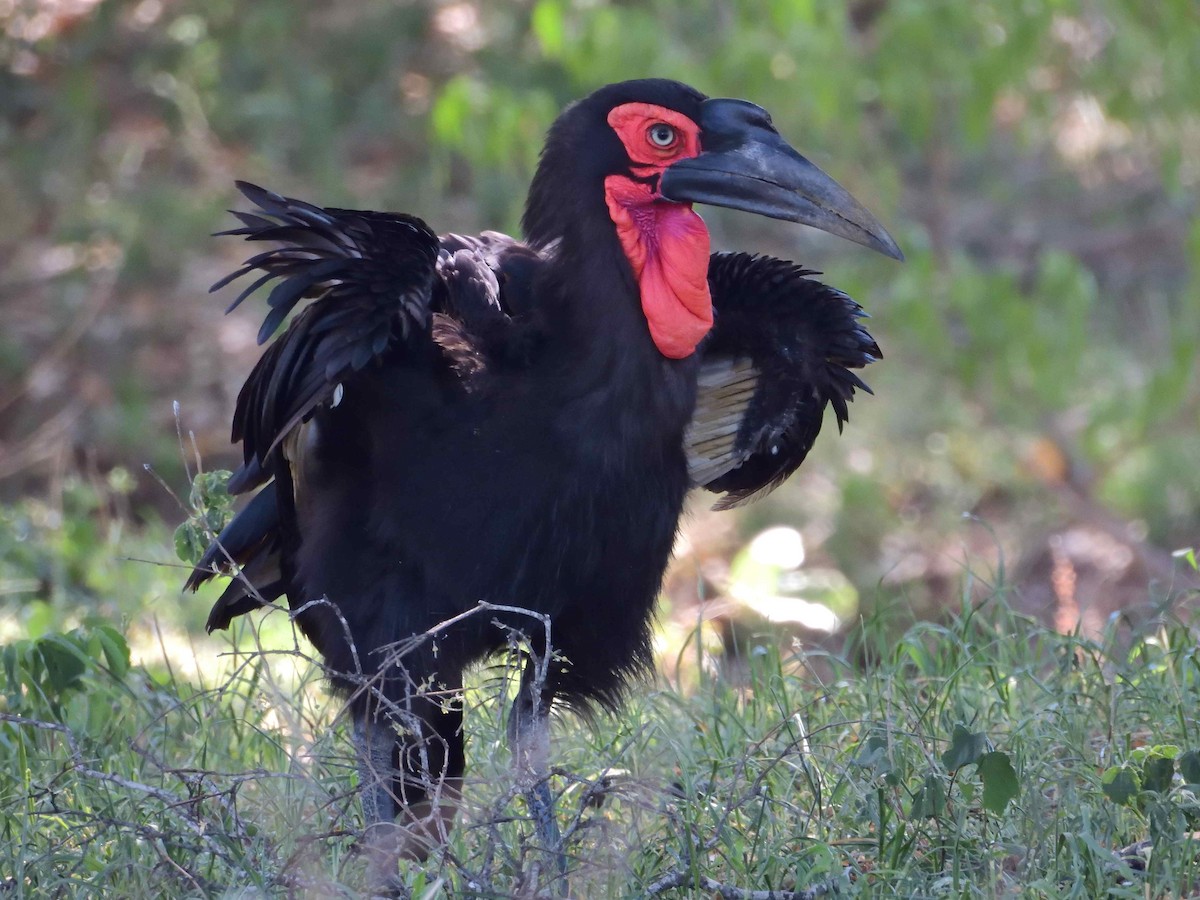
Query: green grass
886, 769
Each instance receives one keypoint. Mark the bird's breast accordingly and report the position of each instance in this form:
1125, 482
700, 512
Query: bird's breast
541, 492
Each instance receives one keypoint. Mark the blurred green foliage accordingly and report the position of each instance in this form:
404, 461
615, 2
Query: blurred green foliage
1037, 160
43, 674
81, 560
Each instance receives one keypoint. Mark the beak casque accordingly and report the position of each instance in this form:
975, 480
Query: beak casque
746, 165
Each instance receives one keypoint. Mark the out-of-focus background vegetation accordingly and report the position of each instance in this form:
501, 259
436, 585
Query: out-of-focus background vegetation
1038, 162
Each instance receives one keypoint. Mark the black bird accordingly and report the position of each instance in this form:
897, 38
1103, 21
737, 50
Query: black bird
463, 419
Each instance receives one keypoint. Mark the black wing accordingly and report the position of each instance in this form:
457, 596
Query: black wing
782, 348
371, 277
249, 546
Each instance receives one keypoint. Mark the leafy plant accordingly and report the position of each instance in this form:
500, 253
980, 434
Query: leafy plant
211, 508
43, 674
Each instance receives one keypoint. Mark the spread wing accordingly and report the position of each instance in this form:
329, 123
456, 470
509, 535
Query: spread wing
379, 284
371, 277
783, 347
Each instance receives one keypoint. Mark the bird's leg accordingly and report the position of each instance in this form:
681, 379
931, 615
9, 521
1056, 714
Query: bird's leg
411, 778
429, 781
529, 742
375, 741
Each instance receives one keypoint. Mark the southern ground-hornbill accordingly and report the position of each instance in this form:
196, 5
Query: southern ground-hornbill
463, 419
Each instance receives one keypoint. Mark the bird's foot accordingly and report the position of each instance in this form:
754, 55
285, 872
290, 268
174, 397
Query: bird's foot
383, 845
540, 803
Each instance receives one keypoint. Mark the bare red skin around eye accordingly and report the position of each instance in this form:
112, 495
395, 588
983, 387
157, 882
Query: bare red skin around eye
666, 243
632, 121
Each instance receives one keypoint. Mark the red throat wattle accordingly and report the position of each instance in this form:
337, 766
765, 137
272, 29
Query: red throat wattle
667, 245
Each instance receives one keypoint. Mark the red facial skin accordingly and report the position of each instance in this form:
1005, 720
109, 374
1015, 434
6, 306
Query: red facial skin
666, 243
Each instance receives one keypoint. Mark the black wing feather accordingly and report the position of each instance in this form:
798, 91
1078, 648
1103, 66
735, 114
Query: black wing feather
249, 544
783, 348
379, 283
370, 277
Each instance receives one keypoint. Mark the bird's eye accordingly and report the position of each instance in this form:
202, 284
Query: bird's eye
661, 135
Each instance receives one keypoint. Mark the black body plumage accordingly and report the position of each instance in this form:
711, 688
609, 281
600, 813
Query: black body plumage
461, 419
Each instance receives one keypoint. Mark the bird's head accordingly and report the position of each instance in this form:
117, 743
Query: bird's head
643, 152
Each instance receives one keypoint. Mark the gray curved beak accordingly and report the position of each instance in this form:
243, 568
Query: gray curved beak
746, 165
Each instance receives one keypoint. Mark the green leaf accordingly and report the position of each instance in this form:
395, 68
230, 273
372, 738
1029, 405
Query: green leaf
1000, 785
65, 663
187, 547
1188, 555
210, 492
212, 508
1189, 767
966, 747
873, 754
930, 801
1156, 773
115, 648
1167, 821
871, 751
17, 660
1120, 784
548, 27
40, 617
451, 110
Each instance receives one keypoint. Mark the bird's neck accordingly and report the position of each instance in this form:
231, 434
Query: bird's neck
607, 369
667, 246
